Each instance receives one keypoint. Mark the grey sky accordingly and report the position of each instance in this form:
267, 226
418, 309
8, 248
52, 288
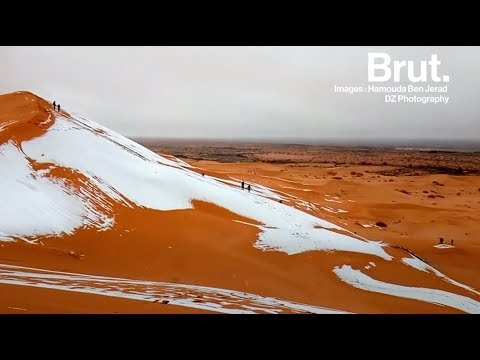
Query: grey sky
243, 92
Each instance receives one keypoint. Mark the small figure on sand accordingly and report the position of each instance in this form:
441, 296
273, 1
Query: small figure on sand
440, 241
451, 242
203, 174
54, 106
249, 188
58, 107
243, 185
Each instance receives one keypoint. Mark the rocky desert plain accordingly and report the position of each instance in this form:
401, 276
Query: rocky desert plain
94, 222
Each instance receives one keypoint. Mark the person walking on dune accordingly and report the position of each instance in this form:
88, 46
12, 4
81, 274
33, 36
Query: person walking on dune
243, 185
249, 188
54, 106
58, 107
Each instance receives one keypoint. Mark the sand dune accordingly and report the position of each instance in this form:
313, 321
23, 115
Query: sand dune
81, 199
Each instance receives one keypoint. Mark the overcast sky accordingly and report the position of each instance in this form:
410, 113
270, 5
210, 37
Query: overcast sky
243, 92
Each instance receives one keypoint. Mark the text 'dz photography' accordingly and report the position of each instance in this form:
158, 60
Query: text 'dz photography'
239, 180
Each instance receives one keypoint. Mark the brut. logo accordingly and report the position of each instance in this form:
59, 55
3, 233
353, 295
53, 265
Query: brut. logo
379, 69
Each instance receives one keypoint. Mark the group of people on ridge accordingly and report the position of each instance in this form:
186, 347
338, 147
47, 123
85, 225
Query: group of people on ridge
248, 187
55, 107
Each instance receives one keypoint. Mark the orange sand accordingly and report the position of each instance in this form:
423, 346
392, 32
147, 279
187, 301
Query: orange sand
203, 246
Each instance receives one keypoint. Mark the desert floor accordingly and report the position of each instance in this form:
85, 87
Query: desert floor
421, 196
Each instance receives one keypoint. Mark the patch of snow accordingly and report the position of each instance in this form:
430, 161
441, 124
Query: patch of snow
333, 200
422, 266
43, 172
285, 240
443, 246
416, 263
34, 205
47, 120
247, 223
255, 188
287, 195
236, 183
265, 191
294, 188
439, 297
182, 163
5, 124
332, 210
261, 309
192, 296
369, 226
306, 205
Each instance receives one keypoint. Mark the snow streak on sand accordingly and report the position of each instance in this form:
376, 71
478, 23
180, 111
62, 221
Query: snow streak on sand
439, 297
422, 266
332, 210
126, 170
334, 199
294, 188
198, 297
5, 124
443, 246
33, 204
307, 205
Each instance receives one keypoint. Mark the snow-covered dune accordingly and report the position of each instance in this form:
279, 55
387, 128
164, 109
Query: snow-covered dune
128, 173
72, 180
